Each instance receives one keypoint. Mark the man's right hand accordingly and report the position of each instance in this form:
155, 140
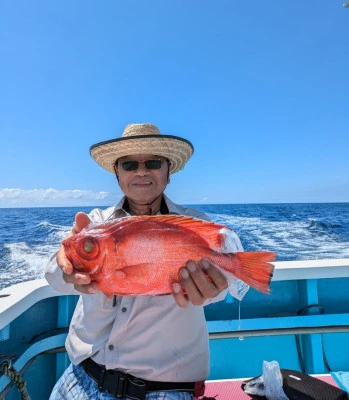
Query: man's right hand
80, 280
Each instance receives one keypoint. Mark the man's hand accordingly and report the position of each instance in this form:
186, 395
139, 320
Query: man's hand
195, 282
80, 280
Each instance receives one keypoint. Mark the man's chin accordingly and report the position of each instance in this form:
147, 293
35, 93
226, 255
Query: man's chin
142, 197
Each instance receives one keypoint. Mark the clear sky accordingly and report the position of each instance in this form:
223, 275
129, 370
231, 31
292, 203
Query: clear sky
261, 88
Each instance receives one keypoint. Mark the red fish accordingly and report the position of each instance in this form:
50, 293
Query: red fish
143, 255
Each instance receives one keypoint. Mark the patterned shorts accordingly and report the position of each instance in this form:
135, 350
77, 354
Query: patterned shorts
75, 384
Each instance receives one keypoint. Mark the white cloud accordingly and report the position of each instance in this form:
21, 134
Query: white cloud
54, 198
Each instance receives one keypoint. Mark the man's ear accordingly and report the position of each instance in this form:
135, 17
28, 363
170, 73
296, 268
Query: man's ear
168, 171
116, 173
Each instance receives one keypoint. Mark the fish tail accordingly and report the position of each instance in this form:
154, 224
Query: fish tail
254, 268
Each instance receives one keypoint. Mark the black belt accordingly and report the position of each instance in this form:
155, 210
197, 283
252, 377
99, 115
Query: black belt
122, 385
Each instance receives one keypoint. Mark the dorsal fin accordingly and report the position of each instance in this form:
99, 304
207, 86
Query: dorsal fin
209, 231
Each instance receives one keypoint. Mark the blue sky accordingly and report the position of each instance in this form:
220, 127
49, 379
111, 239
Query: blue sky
261, 88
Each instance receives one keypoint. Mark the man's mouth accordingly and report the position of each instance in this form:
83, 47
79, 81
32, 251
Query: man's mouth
145, 183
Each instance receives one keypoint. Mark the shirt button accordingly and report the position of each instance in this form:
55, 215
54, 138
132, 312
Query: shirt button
124, 309
111, 347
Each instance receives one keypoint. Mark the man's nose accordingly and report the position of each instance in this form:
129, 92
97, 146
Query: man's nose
141, 170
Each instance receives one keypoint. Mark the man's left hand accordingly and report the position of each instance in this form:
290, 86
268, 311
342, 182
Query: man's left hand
199, 282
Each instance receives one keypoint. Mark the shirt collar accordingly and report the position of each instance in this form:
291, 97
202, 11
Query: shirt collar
120, 212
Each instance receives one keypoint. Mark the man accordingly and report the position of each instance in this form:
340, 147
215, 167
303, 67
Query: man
160, 342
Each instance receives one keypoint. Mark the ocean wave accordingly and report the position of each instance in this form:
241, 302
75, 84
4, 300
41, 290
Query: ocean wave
24, 256
315, 224
49, 226
23, 262
55, 233
291, 240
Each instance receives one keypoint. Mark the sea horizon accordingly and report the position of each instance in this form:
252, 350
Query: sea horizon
182, 204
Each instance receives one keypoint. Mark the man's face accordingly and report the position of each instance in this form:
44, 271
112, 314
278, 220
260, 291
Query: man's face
142, 185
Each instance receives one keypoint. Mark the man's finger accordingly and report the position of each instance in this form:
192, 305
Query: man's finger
87, 289
81, 282
188, 284
215, 274
77, 278
179, 296
63, 261
205, 287
81, 221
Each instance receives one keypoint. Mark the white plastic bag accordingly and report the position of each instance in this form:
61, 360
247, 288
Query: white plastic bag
269, 384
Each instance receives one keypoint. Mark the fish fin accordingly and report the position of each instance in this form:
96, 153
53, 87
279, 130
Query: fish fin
209, 231
255, 269
133, 281
124, 280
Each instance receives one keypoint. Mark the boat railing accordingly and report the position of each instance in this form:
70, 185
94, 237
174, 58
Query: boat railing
17, 299
306, 273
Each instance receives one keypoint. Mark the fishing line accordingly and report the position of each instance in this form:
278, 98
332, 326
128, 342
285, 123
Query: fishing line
239, 325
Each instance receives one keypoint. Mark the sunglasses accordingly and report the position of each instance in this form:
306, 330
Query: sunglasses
132, 165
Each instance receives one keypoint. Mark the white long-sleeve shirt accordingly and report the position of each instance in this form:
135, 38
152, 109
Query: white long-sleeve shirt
150, 337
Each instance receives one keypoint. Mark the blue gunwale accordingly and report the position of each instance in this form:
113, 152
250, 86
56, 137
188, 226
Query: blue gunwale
267, 328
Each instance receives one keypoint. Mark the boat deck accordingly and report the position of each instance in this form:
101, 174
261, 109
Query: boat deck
228, 389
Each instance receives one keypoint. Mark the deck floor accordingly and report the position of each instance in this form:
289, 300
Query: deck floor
231, 389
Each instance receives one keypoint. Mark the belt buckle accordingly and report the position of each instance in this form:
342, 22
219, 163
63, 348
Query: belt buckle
114, 383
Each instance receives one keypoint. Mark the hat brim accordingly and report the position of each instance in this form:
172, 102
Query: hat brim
176, 149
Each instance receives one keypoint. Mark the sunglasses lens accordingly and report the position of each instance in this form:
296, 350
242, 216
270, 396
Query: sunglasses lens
133, 165
129, 165
153, 164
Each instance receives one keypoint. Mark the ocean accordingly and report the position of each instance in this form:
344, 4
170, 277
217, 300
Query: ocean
28, 236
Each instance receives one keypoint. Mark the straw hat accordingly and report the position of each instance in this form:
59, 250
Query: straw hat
143, 139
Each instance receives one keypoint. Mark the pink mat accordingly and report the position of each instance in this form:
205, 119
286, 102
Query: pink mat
231, 389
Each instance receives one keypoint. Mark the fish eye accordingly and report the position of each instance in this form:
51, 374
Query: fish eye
89, 245
88, 248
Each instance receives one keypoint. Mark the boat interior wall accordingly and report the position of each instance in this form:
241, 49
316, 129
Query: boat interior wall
313, 342
303, 324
